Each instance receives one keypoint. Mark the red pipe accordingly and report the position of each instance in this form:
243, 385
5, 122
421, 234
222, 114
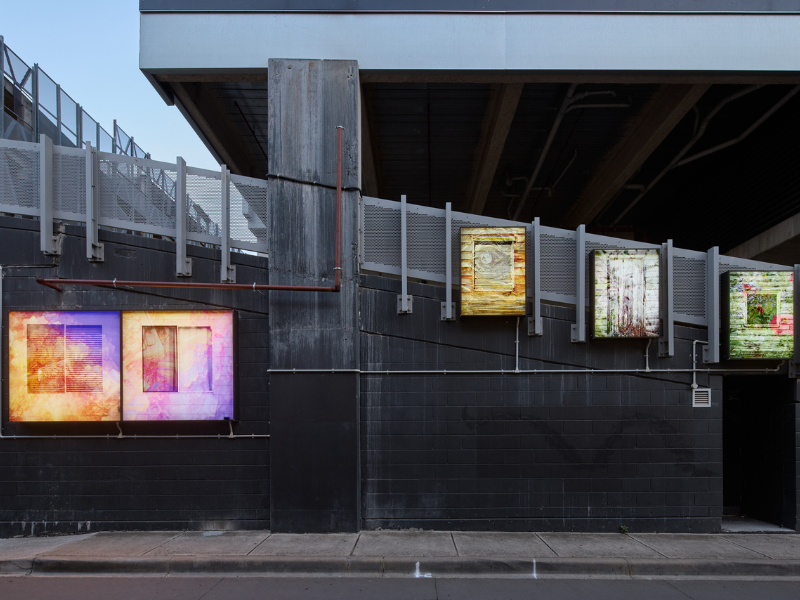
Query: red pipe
337, 278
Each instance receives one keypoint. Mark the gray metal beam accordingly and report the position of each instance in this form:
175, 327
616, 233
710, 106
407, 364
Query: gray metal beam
655, 121
579, 328
711, 350
496, 125
666, 343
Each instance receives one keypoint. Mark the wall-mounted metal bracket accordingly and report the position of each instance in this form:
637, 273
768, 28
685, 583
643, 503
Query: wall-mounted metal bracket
227, 272
49, 243
448, 315
405, 308
794, 371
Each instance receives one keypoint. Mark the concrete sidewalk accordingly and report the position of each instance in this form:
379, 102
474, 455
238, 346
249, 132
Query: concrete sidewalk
406, 553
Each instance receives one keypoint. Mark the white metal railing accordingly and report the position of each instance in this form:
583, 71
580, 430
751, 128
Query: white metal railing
557, 266
103, 189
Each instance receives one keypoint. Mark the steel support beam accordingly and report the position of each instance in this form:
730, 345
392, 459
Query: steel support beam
448, 306
227, 272
655, 121
534, 283
46, 238
496, 125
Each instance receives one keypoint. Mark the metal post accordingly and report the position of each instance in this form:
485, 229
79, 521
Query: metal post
94, 249
579, 328
711, 350
97, 136
666, 343
35, 88
78, 126
114, 139
535, 285
404, 302
227, 272
58, 114
183, 264
448, 307
46, 195
3, 91
793, 370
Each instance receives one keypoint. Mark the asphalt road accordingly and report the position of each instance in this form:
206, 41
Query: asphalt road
297, 588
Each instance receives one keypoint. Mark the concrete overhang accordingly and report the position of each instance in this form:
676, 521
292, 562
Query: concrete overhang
242, 43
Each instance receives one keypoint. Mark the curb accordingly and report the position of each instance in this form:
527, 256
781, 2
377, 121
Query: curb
400, 566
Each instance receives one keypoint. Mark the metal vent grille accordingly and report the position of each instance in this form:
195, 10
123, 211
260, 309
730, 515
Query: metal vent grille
689, 287
426, 251
558, 264
128, 193
69, 181
701, 397
382, 235
19, 177
203, 198
249, 215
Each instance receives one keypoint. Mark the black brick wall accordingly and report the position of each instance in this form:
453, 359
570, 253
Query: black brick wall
587, 452
70, 485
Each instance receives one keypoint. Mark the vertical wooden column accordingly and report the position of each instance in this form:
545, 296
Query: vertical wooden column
314, 445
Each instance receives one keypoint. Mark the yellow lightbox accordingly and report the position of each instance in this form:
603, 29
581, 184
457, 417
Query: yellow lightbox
492, 271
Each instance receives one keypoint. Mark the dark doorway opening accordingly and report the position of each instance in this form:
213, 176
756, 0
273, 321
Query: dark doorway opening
758, 440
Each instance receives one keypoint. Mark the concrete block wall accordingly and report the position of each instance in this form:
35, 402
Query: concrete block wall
587, 452
78, 485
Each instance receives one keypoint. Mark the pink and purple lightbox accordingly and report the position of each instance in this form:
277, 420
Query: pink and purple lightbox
178, 365
63, 366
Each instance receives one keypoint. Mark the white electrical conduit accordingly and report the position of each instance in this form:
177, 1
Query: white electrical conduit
120, 435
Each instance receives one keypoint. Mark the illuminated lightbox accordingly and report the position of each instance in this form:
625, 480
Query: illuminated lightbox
758, 309
63, 366
178, 365
492, 270
625, 298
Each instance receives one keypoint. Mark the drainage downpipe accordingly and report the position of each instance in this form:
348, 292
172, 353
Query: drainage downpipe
57, 284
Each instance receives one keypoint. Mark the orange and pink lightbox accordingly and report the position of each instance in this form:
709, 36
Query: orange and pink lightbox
177, 365
64, 366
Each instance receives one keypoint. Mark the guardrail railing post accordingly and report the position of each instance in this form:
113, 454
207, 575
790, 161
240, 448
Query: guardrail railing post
666, 343
579, 328
227, 272
448, 306
183, 264
404, 301
47, 240
94, 249
535, 284
711, 350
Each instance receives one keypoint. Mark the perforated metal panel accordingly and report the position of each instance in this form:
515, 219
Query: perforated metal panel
249, 215
381, 235
689, 287
69, 183
426, 243
19, 176
559, 265
203, 202
129, 194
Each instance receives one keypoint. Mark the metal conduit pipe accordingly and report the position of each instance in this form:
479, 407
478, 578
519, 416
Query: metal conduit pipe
677, 162
567, 105
56, 283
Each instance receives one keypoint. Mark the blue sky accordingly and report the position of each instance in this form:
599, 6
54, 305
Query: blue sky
91, 48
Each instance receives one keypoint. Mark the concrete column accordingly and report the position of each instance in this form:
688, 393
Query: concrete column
314, 457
